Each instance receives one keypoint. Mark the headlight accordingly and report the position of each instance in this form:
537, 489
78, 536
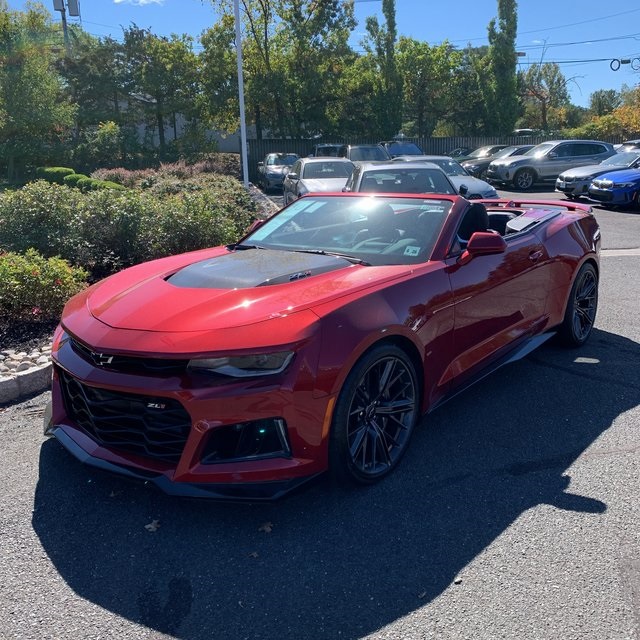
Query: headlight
261, 364
589, 178
491, 193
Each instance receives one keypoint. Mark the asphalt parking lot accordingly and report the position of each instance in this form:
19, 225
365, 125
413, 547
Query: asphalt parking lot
515, 514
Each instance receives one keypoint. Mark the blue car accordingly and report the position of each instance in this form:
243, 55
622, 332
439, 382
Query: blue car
617, 188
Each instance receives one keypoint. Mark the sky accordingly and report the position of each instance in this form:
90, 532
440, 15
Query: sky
582, 37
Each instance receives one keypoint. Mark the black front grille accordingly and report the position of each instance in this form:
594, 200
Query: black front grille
601, 196
148, 426
130, 364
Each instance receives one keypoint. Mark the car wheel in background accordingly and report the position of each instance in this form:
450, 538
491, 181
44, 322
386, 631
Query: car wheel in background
524, 179
582, 306
375, 414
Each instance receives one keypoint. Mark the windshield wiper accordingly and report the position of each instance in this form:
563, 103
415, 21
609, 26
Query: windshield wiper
322, 252
241, 246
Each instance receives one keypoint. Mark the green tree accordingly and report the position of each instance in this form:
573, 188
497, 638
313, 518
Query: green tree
380, 46
428, 73
498, 79
604, 101
294, 54
163, 75
35, 115
543, 87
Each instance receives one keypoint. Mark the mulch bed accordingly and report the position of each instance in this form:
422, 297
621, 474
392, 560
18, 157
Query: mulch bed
25, 336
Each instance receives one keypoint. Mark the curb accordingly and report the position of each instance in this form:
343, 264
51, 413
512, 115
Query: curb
25, 383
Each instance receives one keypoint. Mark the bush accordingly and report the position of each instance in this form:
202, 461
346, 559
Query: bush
33, 287
53, 174
72, 179
42, 216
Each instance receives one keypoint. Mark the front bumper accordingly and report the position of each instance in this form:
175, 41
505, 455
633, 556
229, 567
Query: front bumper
177, 431
573, 187
607, 196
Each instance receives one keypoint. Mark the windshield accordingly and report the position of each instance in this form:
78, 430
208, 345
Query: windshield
483, 152
378, 230
450, 167
506, 152
279, 159
540, 149
368, 154
406, 180
622, 159
326, 170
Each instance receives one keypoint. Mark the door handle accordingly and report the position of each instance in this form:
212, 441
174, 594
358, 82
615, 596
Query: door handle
534, 256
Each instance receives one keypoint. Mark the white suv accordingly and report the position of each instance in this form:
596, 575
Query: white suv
546, 161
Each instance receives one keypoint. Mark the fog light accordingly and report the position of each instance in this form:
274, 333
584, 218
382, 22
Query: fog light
247, 441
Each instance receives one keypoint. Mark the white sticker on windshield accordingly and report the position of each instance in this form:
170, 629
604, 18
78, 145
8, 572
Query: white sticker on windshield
411, 251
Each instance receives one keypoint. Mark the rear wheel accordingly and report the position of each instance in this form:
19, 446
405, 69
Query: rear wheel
375, 415
581, 308
524, 179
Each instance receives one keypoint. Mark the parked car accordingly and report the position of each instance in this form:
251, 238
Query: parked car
478, 166
546, 161
628, 145
315, 175
486, 151
475, 188
458, 152
316, 342
328, 150
273, 168
617, 189
575, 182
402, 148
400, 177
353, 152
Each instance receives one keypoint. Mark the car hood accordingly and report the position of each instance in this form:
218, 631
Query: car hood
590, 170
512, 160
475, 185
324, 184
221, 288
625, 175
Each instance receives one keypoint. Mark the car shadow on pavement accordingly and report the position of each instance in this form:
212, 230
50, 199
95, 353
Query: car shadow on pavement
327, 563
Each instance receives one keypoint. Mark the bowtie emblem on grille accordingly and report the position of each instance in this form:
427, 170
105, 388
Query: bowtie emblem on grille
102, 359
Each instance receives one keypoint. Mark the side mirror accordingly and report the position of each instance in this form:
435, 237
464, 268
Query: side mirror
261, 164
346, 189
292, 176
552, 154
483, 243
463, 190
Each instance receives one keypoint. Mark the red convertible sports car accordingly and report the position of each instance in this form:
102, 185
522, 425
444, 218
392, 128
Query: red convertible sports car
316, 342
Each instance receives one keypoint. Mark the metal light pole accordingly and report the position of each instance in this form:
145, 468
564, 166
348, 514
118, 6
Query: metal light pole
243, 127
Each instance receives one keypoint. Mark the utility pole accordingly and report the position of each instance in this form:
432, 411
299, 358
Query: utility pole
243, 127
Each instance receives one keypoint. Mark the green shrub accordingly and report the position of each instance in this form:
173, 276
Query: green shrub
72, 179
42, 216
54, 174
107, 184
33, 287
84, 184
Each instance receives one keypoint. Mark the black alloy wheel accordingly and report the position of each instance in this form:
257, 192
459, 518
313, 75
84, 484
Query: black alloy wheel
375, 415
582, 306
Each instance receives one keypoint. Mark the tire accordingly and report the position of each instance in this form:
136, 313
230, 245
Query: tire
376, 412
582, 306
524, 179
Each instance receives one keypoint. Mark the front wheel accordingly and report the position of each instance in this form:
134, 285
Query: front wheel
524, 179
374, 418
582, 305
